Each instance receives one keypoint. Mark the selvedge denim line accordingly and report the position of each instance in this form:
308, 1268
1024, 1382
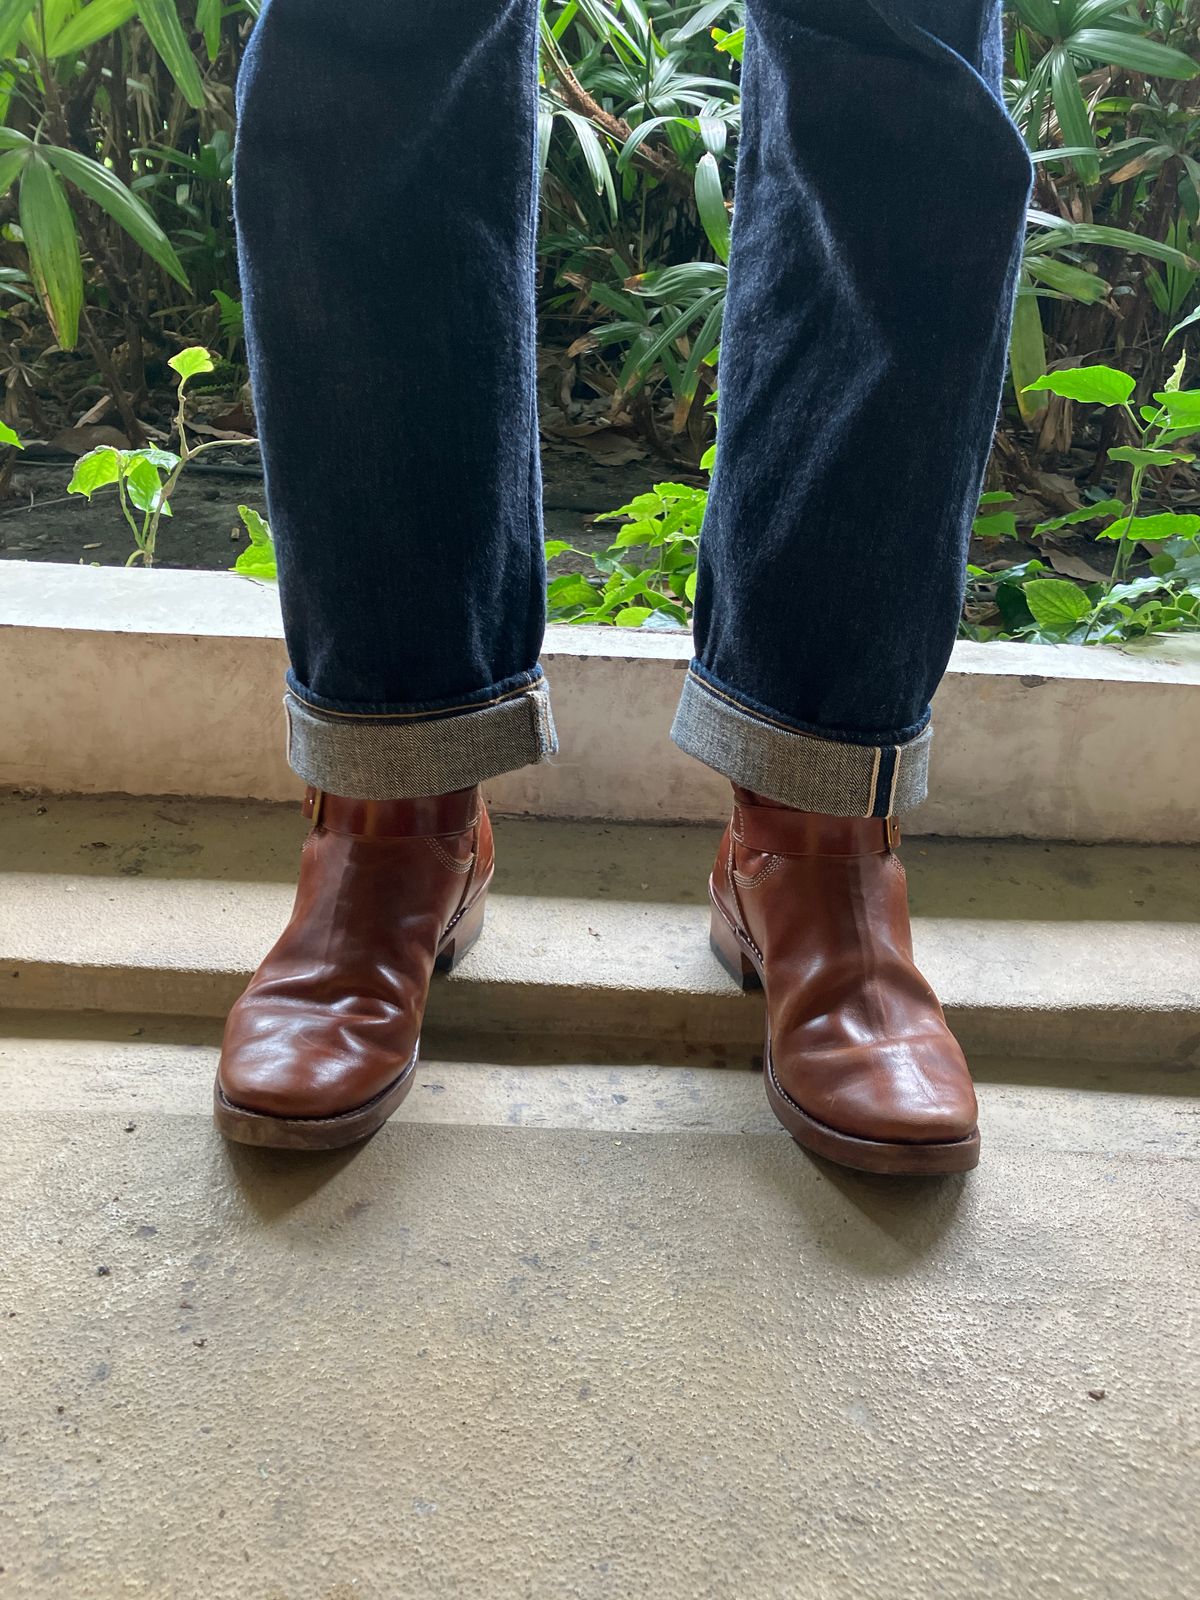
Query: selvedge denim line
386, 206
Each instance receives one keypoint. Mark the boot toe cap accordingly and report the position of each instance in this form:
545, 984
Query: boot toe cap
299, 1063
910, 1091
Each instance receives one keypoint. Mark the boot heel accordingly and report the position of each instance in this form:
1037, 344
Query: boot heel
462, 935
728, 951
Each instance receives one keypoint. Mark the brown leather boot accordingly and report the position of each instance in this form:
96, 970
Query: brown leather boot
322, 1046
859, 1063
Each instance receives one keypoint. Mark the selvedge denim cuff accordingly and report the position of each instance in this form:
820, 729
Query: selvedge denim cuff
398, 757
828, 775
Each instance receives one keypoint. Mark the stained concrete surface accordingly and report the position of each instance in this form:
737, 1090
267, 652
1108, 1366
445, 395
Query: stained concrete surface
592, 1358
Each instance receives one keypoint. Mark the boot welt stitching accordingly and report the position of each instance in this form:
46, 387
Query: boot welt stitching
749, 880
446, 859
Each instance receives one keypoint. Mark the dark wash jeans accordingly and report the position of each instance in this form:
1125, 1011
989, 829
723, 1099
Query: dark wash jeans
385, 199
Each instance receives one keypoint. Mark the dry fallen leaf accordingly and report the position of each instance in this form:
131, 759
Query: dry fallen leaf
1073, 566
79, 440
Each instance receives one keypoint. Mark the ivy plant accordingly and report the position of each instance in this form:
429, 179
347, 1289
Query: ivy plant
138, 475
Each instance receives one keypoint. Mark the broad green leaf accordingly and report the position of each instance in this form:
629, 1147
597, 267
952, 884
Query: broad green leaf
732, 43
632, 616
1178, 558
1113, 48
12, 164
1147, 458
167, 459
160, 18
107, 190
571, 590
49, 231
1059, 152
1027, 349
1041, 15
1162, 525
143, 484
1101, 508
1000, 525
710, 203
1122, 593
1072, 112
191, 361
93, 22
1174, 382
556, 547
1074, 282
256, 526
7, 436
594, 158
639, 135
1181, 405
12, 19
256, 561
1060, 232
642, 531
95, 470
1102, 386
689, 587
1192, 316
1055, 604
995, 497
208, 21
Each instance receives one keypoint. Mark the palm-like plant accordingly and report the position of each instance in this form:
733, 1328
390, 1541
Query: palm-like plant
1071, 57
651, 106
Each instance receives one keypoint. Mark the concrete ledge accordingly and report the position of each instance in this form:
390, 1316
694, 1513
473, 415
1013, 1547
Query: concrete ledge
170, 682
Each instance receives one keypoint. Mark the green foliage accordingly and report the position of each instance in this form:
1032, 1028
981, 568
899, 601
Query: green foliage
1033, 604
138, 474
647, 577
108, 227
1031, 600
257, 560
639, 106
1099, 91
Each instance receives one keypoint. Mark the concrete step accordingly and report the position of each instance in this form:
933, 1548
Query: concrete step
591, 1327
599, 931
114, 1066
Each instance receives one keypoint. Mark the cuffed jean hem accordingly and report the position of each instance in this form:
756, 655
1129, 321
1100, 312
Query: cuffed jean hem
367, 757
835, 777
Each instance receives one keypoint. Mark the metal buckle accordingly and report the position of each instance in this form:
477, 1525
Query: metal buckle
893, 832
312, 808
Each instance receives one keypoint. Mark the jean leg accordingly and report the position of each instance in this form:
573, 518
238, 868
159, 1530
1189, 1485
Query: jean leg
385, 201
880, 195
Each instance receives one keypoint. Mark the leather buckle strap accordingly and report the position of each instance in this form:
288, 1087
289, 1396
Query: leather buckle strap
779, 831
426, 816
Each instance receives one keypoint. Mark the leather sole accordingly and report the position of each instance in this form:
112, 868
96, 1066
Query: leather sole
267, 1131
244, 1126
901, 1159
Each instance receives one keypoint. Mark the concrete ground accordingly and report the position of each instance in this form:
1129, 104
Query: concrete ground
582, 1321
590, 1330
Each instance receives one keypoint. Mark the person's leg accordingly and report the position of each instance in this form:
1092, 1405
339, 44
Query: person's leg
385, 202
879, 203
